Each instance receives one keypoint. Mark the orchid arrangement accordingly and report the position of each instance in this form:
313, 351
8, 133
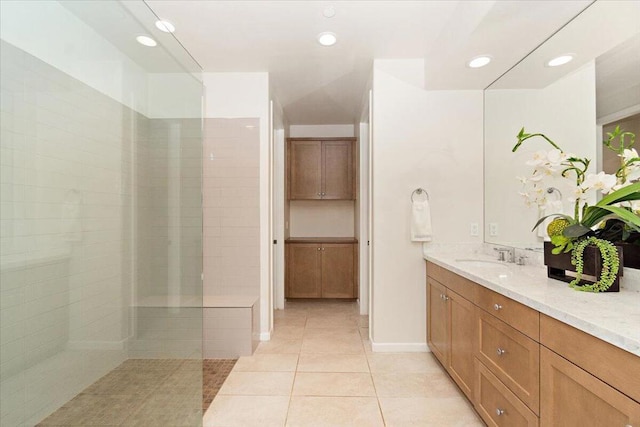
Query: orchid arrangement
621, 192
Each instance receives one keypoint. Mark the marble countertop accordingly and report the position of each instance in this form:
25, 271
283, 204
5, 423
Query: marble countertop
613, 317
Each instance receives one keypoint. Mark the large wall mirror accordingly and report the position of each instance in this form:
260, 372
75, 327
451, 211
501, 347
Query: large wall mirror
573, 104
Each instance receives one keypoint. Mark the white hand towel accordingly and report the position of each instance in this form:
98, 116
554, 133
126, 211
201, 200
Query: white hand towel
421, 222
554, 207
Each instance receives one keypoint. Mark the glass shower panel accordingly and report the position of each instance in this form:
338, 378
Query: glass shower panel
100, 174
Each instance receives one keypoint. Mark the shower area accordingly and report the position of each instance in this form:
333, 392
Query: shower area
101, 218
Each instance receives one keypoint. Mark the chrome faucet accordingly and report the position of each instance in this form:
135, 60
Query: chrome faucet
506, 254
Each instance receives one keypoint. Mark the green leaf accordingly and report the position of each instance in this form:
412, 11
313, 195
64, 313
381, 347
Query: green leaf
575, 230
624, 214
556, 250
617, 195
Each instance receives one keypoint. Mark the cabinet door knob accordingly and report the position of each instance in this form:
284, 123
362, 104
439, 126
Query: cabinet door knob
319, 194
323, 249
497, 307
499, 411
318, 248
324, 194
500, 351
446, 298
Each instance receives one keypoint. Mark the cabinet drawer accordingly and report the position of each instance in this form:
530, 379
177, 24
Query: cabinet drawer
497, 405
463, 287
513, 357
521, 317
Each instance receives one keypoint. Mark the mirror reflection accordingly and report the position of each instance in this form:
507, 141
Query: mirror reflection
595, 87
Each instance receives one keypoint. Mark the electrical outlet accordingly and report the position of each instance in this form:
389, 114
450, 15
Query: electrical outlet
493, 229
474, 229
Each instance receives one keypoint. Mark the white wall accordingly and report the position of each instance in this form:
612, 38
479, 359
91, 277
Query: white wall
329, 218
314, 131
552, 111
428, 139
246, 95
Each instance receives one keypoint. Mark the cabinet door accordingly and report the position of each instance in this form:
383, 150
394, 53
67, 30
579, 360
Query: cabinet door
571, 397
305, 170
303, 268
462, 320
338, 270
337, 170
438, 321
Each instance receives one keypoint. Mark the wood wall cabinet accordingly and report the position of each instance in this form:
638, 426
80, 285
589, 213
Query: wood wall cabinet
321, 169
527, 369
321, 268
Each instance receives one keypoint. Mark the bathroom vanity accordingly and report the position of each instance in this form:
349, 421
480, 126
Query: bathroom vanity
527, 350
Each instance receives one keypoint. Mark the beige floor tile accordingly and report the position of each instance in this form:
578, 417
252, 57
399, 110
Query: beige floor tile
279, 346
258, 383
343, 334
287, 331
403, 384
332, 321
333, 346
403, 362
267, 363
450, 412
334, 411
333, 384
247, 411
299, 321
333, 363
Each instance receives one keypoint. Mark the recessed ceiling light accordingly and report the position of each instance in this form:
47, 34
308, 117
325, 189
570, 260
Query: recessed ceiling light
329, 12
165, 26
479, 61
146, 41
327, 39
560, 60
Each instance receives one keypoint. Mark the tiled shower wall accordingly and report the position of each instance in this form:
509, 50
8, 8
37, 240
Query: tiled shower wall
231, 207
67, 245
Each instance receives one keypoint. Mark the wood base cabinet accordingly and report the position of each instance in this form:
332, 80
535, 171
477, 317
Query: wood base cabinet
451, 325
321, 270
571, 397
522, 368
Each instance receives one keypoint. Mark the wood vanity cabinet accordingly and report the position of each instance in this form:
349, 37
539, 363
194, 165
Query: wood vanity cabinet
527, 369
451, 334
321, 269
321, 169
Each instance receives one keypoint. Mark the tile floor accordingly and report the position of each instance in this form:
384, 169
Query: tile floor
147, 392
318, 370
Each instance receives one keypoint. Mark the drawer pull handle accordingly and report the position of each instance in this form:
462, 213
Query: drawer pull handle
500, 351
499, 411
497, 307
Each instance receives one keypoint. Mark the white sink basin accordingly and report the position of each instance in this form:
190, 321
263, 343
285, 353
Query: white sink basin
490, 266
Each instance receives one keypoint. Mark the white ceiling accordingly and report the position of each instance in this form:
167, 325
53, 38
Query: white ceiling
325, 85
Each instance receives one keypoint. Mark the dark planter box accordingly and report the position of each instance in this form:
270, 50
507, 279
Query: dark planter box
558, 265
631, 254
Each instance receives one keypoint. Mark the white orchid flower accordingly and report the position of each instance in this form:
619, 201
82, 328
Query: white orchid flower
523, 180
629, 153
599, 181
539, 159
